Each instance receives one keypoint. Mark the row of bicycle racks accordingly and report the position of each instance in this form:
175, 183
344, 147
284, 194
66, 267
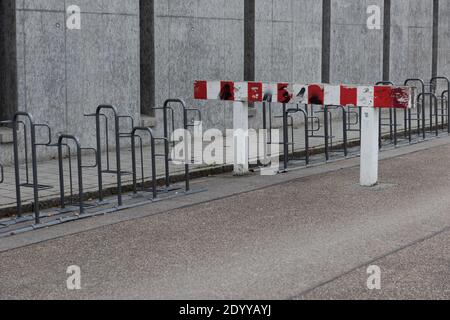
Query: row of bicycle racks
76, 207
418, 125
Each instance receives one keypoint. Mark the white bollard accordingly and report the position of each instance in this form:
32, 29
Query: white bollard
369, 146
240, 138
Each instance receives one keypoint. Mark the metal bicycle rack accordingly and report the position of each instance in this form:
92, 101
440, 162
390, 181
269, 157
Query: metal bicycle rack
287, 126
420, 113
118, 171
83, 209
80, 167
328, 131
443, 108
153, 156
434, 102
329, 137
167, 141
312, 124
34, 184
350, 111
306, 142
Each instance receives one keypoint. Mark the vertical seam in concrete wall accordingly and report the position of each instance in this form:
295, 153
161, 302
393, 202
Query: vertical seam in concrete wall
147, 54
271, 42
249, 40
387, 41
25, 60
8, 59
292, 42
66, 115
326, 40
169, 24
434, 63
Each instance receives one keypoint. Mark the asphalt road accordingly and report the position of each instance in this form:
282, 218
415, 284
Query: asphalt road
308, 238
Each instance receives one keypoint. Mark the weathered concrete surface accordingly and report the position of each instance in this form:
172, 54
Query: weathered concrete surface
198, 40
62, 73
272, 243
411, 39
356, 52
444, 38
288, 41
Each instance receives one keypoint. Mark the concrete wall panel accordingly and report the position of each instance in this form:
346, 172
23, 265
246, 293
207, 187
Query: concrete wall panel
411, 39
356, 52
288, 40
444, 38
197, 40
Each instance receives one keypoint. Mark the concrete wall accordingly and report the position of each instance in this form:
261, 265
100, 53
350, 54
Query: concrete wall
197, 39
411, 39
356, 53
63, 74
444, 38
288, 40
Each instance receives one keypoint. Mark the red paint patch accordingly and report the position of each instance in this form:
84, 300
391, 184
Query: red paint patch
400, 98
255, 92
284, 96
227, 90
200, 90
316, 94
383, 97
349, 96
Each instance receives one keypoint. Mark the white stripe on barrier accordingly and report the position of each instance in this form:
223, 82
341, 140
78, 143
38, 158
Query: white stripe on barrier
365, 96
333, 95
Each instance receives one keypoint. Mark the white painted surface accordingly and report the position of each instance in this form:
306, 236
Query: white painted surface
213, 90
241, 91
300, 93
275, 153
369, 147
332, 95
240, 137
365, 96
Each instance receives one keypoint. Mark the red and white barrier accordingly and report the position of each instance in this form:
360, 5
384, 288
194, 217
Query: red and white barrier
369, 98
381, 96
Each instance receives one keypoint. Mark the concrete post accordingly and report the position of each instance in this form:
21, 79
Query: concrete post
240, 137
369, 146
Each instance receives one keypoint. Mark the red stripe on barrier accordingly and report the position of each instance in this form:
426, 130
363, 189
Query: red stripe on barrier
201, 90
316, 94
255, 91
349, 96
227, 90
382, 96
284, 96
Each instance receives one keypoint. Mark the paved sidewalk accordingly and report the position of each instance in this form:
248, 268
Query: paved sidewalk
305, 234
